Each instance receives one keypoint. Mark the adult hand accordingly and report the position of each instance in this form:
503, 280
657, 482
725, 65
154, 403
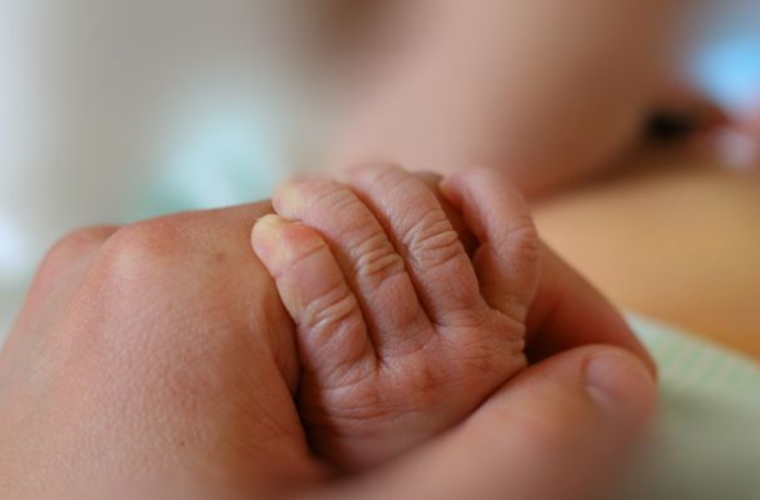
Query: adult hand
159, 355
153, 353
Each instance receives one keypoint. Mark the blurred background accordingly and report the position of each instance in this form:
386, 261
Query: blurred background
115, 110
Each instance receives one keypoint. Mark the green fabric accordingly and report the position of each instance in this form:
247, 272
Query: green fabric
706, 441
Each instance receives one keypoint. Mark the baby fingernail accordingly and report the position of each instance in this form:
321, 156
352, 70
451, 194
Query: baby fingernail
265, 236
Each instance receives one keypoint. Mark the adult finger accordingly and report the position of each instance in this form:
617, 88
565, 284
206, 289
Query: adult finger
569, 312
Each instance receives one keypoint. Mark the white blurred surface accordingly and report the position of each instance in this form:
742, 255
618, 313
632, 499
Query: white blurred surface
116, 109
112, 109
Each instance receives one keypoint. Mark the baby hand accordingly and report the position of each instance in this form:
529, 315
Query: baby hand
401, 333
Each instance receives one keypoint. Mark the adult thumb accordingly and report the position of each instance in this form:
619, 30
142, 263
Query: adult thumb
559, 431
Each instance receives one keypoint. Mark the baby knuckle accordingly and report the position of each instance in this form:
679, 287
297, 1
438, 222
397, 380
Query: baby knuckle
329, 197
377, 260
301, 252
434, 242
383, 176
523, 240
330, 309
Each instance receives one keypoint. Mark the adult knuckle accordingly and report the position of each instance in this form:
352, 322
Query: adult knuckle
140, 251
78, 244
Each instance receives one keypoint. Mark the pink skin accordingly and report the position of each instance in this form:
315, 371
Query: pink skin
550, 91
401, 333
159, 354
